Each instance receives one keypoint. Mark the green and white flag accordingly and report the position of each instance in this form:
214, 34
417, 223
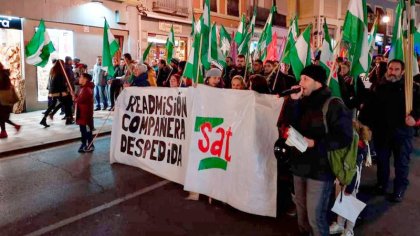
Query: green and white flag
266, 35
244, 46
240, 32
109, 48
327, 61
40, 47
300, 52
192, 70
146, 52
417, 38
355, 32
225, 40
216, 55
193, 26
170, 43
205, 34
397, 49
291, 39
371, 39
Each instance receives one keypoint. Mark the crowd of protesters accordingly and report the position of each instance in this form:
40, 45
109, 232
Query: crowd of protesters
373, 106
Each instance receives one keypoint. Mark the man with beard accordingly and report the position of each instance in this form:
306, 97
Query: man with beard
257, 67
240, 68
392, 128
226, 72
268, 68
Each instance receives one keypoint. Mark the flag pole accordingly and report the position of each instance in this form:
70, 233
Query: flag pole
199, 60
409, 65
67, 78
337, 51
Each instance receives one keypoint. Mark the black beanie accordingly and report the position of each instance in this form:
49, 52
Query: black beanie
316, 72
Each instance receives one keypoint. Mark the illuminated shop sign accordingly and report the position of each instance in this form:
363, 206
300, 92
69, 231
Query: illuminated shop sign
7, 22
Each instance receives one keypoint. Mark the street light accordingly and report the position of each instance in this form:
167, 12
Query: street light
385, 19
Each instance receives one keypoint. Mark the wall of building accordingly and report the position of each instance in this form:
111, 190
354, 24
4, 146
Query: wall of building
84, 18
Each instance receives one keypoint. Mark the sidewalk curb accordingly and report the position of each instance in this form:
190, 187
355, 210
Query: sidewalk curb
45, 145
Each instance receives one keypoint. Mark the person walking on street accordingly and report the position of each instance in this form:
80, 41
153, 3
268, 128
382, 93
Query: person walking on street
8, 98
312, 175
392, 128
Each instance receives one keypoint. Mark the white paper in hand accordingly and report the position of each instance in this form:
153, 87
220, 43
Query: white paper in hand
295, 139
348, 207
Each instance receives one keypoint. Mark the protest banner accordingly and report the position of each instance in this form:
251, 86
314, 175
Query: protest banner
216, 142
150, 130
231, 154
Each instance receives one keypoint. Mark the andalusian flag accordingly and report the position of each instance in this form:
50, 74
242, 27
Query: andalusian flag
146, 52
109, 48
417, 39
40, 47
170, 43
266, 35
205, 34
193, 25
240, 33
216, 55
244, 46
225, 40
327, 61
397, 49
291, 39
355, 32
192, 71
300, 52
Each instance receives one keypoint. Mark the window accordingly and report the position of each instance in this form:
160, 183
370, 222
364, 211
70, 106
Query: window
213, 5
233, 7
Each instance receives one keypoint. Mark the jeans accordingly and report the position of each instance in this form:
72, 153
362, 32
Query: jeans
86, 133
401, 147
101, 94
311, 198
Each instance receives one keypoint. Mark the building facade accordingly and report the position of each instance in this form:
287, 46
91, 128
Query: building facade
76, 29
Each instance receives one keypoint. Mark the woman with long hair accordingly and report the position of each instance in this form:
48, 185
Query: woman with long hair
5, 104
59, 92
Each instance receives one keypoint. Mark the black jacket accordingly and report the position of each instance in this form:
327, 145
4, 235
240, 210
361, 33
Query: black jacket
384, 111
282, 83
57, 85
163, 75
306, 116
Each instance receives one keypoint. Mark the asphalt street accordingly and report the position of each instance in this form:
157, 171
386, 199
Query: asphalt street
57, 191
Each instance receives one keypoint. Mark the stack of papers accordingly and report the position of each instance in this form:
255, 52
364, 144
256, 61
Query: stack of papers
295, 139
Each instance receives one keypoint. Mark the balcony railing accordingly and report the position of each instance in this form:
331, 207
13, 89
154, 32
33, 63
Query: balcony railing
173, 7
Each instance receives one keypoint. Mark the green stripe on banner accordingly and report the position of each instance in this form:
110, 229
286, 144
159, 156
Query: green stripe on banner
212, 163
201, 120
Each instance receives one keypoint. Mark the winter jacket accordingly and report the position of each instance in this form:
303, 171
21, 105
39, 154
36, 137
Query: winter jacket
306, 116
283, 82
151, 77
57, 86
384, 111
140, 81
163, 75
84, 105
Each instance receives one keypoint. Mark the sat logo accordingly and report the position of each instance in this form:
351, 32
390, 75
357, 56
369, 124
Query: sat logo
213, 141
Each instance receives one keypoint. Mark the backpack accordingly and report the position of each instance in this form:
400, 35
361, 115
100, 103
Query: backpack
342, 161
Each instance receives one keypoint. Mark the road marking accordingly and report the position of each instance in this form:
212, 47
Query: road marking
98, 209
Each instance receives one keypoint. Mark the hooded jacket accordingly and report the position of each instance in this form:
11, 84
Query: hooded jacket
84, 105
306, 116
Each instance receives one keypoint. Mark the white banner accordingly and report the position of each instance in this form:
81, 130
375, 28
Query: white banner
231, 150
151, 130
222, 146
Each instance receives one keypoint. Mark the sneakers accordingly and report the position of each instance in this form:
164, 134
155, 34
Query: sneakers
89, 149
335, 228
348, 233
82, 149
3, 134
